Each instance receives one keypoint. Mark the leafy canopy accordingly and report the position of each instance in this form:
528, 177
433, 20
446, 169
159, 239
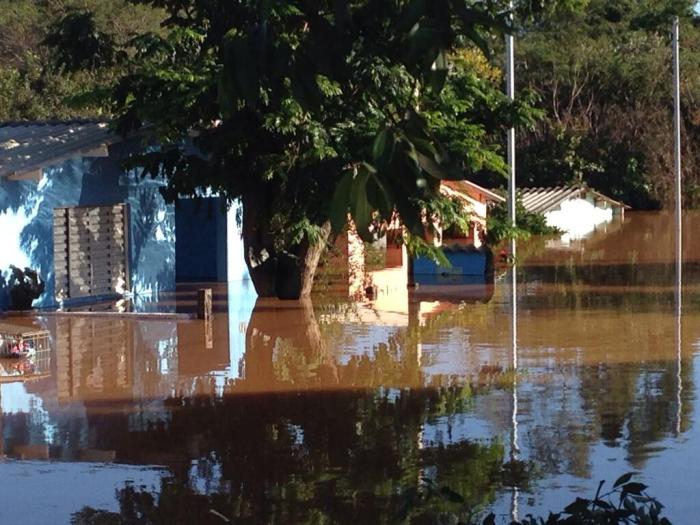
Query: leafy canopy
310, 110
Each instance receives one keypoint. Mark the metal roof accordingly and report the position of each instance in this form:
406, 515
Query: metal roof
542, 200
26, 147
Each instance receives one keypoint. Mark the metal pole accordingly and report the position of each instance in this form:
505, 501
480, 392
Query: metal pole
510, 91
677, 141
514, 441
679, 215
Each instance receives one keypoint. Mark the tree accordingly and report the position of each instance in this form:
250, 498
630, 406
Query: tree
308, 111
30, 88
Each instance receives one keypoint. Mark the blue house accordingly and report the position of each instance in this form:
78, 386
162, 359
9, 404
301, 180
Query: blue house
69, 209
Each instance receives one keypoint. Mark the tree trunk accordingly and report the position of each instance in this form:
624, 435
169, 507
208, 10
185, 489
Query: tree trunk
258, 249
311, 260
286, 275
296, 272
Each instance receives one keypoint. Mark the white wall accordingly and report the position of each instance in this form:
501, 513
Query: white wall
578, 217
11, 225
237, 269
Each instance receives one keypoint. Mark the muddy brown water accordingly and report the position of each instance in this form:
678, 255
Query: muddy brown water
330, 411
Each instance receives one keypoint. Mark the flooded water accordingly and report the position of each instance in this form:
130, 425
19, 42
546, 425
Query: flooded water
335, 412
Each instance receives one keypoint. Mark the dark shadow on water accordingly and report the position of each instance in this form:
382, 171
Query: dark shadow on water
344, 457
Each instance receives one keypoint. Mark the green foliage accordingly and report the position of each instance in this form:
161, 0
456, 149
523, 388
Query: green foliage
311, 111
601, 70
24, 286
77, 43
626, 503
499, 228
31, 87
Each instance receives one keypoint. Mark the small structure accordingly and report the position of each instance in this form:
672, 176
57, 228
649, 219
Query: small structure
477, 201
576, 210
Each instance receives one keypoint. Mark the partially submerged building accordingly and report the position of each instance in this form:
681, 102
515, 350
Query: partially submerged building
384, 266
576, 210
93, 228
477, 201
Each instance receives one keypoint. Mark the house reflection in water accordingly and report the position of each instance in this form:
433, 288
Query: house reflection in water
133, 368
108, 360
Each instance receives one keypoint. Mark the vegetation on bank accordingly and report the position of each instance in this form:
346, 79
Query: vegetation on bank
598, 72
31, 87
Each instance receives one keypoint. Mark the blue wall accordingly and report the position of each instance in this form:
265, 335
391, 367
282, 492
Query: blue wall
26, 219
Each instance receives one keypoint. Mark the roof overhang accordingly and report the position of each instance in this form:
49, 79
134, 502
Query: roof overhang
26, 148
467, 187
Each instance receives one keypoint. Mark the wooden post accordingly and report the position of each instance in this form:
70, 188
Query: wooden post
410, 277
204, 304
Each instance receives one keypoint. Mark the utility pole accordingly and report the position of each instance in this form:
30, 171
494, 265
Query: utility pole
510, 91
677, 139
679, 215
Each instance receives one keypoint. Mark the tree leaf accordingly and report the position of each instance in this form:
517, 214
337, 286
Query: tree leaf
421, 39
430, 166
360, 208
438, 72
623, 479
489, 520
577, 507
379, 196
381, 142
634, 488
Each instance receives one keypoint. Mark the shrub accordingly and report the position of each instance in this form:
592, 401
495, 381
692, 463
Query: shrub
25, 286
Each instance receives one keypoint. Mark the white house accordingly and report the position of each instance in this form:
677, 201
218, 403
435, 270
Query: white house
576, 210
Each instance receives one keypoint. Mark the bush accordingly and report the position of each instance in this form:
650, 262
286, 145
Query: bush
25, 286
626, 503
498, 227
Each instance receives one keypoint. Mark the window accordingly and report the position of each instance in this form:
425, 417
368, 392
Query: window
91, 251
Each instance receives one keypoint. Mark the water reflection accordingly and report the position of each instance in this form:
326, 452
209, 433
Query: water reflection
282, 412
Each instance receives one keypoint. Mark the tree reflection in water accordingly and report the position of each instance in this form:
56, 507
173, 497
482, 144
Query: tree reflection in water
301, 438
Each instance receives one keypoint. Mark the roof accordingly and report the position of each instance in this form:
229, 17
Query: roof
26, 147
542, 200
467, 187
